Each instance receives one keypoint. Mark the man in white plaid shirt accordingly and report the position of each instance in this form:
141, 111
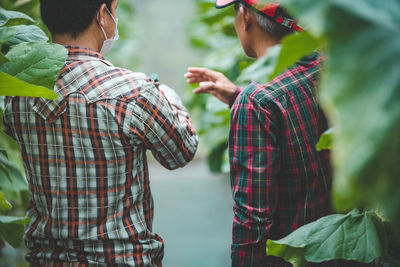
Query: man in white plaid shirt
84, 153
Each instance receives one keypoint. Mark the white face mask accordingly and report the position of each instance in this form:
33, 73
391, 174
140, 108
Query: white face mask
108, 43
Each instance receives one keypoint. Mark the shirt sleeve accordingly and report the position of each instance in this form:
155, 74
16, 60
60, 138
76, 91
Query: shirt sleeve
164, 127
238, 90
255, 159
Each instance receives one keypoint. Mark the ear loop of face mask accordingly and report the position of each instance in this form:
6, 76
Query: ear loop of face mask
108, 43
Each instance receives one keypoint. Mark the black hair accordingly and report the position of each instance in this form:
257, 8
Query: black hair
279, 31
70, 16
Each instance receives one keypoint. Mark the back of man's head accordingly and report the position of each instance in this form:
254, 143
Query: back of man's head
274, 29
70, 16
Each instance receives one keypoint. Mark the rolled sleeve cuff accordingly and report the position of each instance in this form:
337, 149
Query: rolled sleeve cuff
239, 89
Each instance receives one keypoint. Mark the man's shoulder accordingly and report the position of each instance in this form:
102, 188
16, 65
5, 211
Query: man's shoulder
295, 80
100, 80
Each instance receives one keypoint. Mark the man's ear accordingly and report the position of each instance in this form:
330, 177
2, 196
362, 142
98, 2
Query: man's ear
102, 13
246, 17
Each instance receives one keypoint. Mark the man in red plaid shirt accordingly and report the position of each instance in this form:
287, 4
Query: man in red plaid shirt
279, 180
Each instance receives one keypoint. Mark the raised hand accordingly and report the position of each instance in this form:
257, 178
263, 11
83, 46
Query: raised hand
211, 82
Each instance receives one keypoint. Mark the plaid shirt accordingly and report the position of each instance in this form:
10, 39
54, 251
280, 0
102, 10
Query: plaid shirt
279, 180
85, 160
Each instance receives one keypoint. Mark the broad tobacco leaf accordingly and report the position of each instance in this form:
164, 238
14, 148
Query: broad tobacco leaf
361, 95
27, 33
294, 47
12, 18
6, 34
11, 86
353, 236
12, 229
37, 63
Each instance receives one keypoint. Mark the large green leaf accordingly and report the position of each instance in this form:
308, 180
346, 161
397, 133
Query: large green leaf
11, 86
294, 47
12, 229
361, 95
354, 236
6, 34
27, 33
36, 63
12, 18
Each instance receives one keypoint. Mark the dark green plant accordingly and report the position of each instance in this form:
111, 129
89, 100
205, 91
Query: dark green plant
29, 66
213, 34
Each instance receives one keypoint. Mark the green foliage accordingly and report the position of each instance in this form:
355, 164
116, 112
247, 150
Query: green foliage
12, 86
326, 140
4, 204
27, 33
351, 237
213, 34
360, 94
6, 34
216, 158
30, 67
12, 18
124, 52
263, 68
37, 63
28, 7
3, 59
12, 229
294, 47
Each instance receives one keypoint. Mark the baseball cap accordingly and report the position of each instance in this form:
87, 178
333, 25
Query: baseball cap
271, 9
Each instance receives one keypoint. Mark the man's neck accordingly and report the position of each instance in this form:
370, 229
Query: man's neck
262, 43
83, 40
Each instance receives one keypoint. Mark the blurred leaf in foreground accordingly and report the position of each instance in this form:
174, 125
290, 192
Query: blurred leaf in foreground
353, 236
326, 140
361, 95
12, 229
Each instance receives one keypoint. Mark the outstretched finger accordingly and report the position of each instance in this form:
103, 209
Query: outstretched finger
205, 87
205, 73
196, 77
194, 80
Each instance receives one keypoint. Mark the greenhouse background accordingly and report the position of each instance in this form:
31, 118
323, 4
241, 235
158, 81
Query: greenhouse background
358, 91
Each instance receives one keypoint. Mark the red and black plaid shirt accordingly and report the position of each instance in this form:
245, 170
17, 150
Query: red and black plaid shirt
279, 180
